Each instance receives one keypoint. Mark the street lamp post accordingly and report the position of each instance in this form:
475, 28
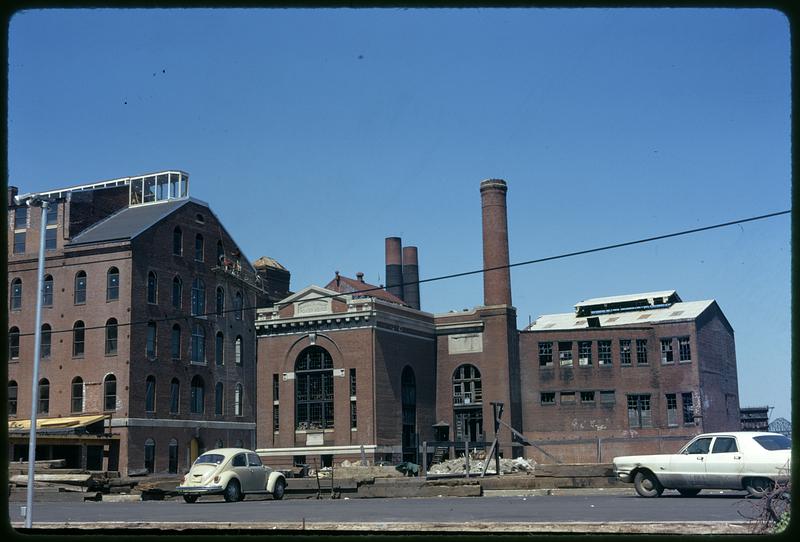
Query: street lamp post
36, 351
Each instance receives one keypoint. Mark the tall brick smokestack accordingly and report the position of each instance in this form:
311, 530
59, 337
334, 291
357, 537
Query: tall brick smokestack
497, 283
410, 277
394, 266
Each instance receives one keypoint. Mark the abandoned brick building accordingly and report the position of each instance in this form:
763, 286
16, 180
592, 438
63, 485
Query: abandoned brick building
147, 337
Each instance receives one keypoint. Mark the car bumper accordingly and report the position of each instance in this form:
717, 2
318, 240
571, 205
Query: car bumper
199, 490
624, 476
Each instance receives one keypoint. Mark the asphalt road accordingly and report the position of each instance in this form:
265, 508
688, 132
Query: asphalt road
618, 513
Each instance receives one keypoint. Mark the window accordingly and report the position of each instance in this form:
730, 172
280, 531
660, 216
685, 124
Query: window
276, 418
110, 393
352, 382
353, 415
152, 287
20, 218
198, 297
604, 352
314, 389
237, 306
565, 353
641, 351
688, 408
545, 354
672, 410
173, 456
47, 292
724, 445
547, 398
197, 400
220, 304
177, 242
237, 400
408, 403
607, 397
198, 344
467, 387
44, 397
78, 339
200, 219
12, 398
76, 403
174, 396
150, 394
666, 351
51, 239
239, 461
587, 397
684, 350
177, 292
80, 288
19, 242
150, 455
584, 352
152, 340
219, 348
198, 248
175, 342
112, 284
237, 349
276, 387
218, 398
16, 294
52, 214
567, 397
13, 343
47, 341
699, 446
111, 337
639, 411
624, 351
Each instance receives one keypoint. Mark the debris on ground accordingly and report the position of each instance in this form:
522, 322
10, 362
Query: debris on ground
507, 466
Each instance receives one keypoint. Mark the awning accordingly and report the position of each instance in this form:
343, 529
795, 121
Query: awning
72, 424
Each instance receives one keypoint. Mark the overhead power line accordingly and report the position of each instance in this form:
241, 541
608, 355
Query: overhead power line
186, 316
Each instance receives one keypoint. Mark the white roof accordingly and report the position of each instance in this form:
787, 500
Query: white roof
675, 312
623, 298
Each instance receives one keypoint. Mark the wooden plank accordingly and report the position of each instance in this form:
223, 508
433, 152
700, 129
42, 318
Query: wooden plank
57, 478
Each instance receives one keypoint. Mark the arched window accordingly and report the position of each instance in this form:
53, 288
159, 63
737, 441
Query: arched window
13, 343
16, 294
152, 287
198, 297
237, 400
47, 291
468, 403
47, 340
150, 455
237, 306
150, 345
314, 389
408, 399
173, 456
80, 288
150, 394
111, 337
197, 405
44, 396
177, 292
198, 344
220, 253
78, 339
112, 284
198, 248
175, 342
237, 348
174, 396
219, 348
110, 393
220, 301
177, 242
218, 398
12, 398
76, 404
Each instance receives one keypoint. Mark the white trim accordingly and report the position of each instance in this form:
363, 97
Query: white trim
184, 423
313, 450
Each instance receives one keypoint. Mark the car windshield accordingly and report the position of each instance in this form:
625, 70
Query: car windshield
774, 442
214, 459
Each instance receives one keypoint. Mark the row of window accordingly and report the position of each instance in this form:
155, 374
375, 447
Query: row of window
639, 413
197, 350
21, 224
77, 405
604, 354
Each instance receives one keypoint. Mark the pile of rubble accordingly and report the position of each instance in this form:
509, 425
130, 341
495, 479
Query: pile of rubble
507, 466
355, 470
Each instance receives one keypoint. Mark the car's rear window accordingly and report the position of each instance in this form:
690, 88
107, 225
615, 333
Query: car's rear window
774, 442
214, 459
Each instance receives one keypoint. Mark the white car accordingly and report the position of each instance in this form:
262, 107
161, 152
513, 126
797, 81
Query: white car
232, 473
738, 460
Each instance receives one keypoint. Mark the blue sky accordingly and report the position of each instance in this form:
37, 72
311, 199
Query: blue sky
315, 134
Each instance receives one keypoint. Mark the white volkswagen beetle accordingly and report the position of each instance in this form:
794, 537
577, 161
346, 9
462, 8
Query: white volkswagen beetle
738, 460
233, 473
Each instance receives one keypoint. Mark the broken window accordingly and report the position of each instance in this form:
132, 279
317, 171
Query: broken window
174, 396
584, 352
152, 287
352, 382
13, 389
624, 351
639, 414
150, 394
177, 242
607, 397
545, 354
276, 418
685, 351
666, 351
198, 344
44, 396
16, 294
567, 397
13, 343
672, 410
276, 388
641, 351
604, 352
47, 294
198, 297
111, 337
76, 403
46, 341
467, 385
688, 408
314, 389
548, 397
238, 392
565, 352
110, 393
353, 415
587, 397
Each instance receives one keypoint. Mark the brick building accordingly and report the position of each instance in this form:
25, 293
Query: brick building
148, 343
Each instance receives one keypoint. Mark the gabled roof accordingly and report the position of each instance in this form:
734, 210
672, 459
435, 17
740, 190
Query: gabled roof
347, 285
130, 222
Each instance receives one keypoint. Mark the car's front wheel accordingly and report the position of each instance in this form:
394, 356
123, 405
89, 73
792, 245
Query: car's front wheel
647, 485
191, 499
688, 492
233, 492
278, 490
759, 487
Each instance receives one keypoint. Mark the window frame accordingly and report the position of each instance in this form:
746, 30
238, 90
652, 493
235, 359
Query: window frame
16, 294
111, 337
81, 285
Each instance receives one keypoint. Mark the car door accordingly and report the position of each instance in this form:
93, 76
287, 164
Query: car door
688, 468
242, 469
258, 473
724, 464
